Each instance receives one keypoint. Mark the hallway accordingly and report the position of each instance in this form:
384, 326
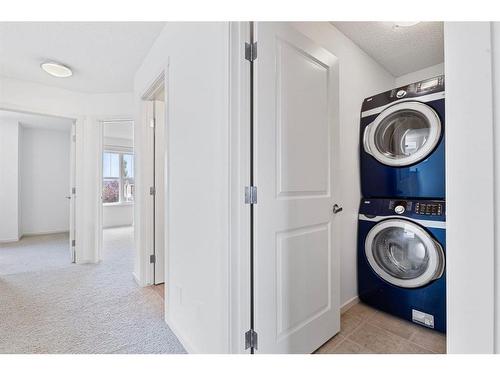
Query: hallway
54, 306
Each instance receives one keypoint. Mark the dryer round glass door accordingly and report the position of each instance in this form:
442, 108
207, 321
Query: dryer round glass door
404, 254
403, 134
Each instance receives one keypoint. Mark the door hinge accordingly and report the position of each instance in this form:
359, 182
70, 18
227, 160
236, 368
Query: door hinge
250, 339
152, 190
152, 123
250, 194
73, 190
74, 138
251, 51
152, 258
73, 243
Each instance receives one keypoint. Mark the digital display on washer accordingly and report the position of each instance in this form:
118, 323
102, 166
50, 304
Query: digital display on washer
428, 208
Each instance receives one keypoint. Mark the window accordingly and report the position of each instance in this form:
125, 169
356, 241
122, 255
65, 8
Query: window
118, 177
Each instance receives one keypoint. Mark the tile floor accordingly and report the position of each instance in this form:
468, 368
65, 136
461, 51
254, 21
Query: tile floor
160, 289
365, 330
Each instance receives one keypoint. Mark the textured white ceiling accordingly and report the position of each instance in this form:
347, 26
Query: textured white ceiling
398, 50
104, 56
28, 120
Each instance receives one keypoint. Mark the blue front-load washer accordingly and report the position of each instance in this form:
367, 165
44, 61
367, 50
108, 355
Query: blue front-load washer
402, 142
401, 259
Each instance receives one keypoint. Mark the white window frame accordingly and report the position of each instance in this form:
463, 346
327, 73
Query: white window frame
121, 179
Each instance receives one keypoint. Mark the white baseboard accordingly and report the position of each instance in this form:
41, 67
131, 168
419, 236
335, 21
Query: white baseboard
348, 304
137, 280
185, 343
32, 234
118, 226
8, 240
86, 261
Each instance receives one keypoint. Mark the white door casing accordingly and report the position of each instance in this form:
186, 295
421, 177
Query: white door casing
147, 171
72, 194
296, 162
159, 183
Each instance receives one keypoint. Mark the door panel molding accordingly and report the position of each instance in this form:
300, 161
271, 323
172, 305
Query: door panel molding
295, 179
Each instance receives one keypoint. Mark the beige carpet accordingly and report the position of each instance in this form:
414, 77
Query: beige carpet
48, 305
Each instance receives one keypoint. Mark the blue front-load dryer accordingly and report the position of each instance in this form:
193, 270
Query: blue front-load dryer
402, 142
401, 259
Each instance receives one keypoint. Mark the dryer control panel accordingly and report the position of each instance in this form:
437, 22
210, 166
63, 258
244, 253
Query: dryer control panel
413, 90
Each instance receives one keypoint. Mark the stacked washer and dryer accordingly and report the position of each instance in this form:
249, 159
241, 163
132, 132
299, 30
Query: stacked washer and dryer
401, 227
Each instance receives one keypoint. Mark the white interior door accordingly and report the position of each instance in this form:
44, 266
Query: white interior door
296, 163
72, 194
159, 176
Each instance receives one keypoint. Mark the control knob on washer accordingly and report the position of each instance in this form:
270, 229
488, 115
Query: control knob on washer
399, 209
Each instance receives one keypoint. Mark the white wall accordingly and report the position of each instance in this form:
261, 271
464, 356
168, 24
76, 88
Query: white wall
495, 44
89, 110
117, 215
9, 180
360, 77
123, 130
419, 75
470, 183
45, 181
198, 174
118, 142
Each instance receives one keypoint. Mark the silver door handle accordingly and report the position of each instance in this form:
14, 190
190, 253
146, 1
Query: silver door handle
336, 208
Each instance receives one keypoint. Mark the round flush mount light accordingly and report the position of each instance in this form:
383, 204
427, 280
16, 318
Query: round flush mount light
56, 69
399, 24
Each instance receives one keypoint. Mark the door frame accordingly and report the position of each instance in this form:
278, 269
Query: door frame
72, 192
99, 208
76, 175
239, 214
144, 270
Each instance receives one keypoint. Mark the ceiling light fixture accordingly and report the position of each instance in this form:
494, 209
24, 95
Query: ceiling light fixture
56, 69
399, 24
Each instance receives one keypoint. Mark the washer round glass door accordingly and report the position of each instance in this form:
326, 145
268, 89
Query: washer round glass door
404, 254
403, 134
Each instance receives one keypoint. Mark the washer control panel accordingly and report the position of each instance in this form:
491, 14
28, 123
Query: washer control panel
428, 208
400, 207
